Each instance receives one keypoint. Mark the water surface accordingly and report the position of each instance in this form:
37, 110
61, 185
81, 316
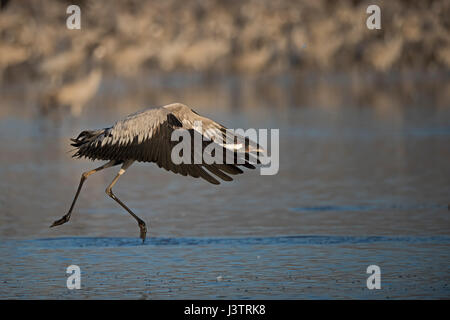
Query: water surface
358, 185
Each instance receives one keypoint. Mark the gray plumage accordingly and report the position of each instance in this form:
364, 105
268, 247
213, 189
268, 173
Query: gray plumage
146, 136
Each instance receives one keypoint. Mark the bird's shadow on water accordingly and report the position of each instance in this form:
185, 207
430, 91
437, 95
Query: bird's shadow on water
65, 242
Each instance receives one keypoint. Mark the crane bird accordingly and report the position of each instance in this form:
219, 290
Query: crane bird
75, 94
145, 136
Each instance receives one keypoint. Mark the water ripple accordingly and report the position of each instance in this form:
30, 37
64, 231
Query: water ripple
369, 207
278, 240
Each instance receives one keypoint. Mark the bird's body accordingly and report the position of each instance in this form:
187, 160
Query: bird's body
146, 136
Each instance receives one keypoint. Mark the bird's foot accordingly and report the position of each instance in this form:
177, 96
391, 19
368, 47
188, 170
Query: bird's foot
143, 230
63, 220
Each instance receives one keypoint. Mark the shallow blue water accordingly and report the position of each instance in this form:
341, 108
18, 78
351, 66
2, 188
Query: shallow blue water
59, 243
357, 186
284, 267
371, 207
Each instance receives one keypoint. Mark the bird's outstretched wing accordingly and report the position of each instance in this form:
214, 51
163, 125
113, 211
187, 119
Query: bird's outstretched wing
146, 136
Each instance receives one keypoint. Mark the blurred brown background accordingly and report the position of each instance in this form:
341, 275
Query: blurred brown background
322, 49
226, 36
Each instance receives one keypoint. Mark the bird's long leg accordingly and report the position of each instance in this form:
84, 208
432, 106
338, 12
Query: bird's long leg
141, 223
84, 176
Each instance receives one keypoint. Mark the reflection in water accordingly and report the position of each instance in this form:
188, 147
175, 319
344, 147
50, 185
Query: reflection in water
364, 178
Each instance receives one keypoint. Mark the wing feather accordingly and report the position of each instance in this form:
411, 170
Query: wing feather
146, 136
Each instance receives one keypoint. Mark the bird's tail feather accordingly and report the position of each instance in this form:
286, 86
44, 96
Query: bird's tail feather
85, 137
